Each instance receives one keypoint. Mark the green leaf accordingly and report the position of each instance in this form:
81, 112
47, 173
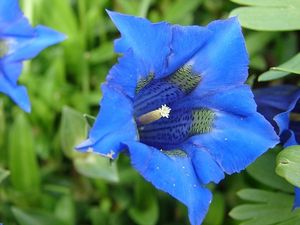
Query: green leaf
269, 15
3, 174
216, 212
268, 208
101, 54
291, 66
2, 128
263, 170
145, 211
263, 196
73, 130
288, 164
144, 8
266, 2
96, 166
179, 10
65, 210
22, 157
89, 119
34, 217
257, 41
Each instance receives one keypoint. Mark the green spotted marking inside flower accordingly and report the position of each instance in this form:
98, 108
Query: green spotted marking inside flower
143, 82
3, 48
202, 120
175, 153
295, 117
185, 79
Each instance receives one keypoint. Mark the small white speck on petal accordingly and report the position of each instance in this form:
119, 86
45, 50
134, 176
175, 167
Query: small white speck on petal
110, 154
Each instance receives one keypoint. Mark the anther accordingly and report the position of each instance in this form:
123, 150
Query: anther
163, 111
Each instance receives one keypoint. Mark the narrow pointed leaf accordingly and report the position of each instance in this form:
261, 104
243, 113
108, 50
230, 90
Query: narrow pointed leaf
22, 157
3, 174
291, 66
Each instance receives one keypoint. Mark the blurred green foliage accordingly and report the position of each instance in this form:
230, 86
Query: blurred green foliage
44, 181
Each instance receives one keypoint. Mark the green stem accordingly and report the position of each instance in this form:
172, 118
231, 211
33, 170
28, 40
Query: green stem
144, 8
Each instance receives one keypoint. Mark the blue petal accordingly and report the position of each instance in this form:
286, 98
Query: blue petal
236, 141
22, 48
149, 42
186, 42
17, 93
162, 47
174, 175
205, 166
12, 71
114, 124
297, 198
239, 134
12, 21
126, 73
276, 103
223, 60
233, 99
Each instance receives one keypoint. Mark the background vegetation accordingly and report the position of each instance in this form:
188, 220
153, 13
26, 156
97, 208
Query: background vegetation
45, 182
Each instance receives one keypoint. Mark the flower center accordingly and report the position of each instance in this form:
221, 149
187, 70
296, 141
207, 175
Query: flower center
160, 121
3, 48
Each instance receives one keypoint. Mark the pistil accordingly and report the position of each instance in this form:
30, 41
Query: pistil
150, 117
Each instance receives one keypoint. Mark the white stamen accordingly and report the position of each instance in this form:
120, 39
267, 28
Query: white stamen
163, 111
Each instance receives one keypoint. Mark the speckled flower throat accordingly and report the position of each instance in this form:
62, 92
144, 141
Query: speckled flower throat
161, 123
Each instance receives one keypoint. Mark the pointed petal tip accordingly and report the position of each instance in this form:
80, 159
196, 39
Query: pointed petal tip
53, 36
25, 105
21, 98
27, 108
84, 145
113, 15
230, 21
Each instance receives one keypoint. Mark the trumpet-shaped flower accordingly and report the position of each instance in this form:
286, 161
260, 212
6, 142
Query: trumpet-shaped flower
18, 42
177, 103
281, 106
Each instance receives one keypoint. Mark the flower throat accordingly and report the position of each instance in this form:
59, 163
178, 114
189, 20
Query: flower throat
161, 122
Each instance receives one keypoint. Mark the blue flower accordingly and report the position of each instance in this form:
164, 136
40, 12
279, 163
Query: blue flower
281, 106
177, 103
18, 42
